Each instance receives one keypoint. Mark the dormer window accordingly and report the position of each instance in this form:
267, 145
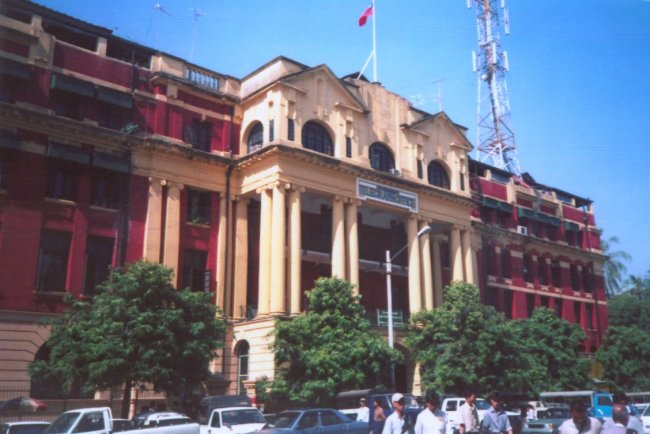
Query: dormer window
381, 158
255, 137
316, 138
437, 175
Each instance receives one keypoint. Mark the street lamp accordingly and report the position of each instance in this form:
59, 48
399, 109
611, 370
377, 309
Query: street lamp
389, 294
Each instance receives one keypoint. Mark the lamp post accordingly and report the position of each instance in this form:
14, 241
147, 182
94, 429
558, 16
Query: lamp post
389, 294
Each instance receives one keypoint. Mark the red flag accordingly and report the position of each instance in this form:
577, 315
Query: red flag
364, 16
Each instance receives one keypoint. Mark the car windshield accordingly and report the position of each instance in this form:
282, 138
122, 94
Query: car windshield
646, 412
286, 419
410, 402
62, 423
557, 413
481, 404
240, 417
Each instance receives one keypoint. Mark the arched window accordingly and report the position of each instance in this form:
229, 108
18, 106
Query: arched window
255, 137
437, 175
242, 366
381, 158
316, 138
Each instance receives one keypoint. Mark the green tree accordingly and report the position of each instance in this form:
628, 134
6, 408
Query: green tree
554, 345
632, 307
465, 343
329, 348
625, 350
138, 330
624, 356
615, 268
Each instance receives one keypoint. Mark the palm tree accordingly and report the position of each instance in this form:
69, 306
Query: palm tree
615, 269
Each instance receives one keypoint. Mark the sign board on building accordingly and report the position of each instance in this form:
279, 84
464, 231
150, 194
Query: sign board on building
389, 195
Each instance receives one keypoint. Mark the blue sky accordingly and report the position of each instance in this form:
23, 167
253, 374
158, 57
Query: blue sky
579, 80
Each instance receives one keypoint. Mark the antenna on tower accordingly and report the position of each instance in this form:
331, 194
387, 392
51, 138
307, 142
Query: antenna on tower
439, 93
495, 138
196, 13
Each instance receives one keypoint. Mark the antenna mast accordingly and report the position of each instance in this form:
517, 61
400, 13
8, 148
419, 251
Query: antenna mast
495, 138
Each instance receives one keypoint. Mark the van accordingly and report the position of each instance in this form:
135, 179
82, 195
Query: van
209, 403
451, 406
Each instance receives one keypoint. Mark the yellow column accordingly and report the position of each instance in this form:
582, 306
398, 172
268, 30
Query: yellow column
172, 246
152, 231
241, 259
264, 289
456, 254
415, 286
278, 253
353, 244
427, 275
295, 250
468, 255
220, 274
437, 273
338, 238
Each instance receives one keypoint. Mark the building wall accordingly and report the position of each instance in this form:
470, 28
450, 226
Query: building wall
258, 224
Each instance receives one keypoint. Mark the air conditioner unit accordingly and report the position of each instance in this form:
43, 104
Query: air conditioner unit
523, 230
395, 172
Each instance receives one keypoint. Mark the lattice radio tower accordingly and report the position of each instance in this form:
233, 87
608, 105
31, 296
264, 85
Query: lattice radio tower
495, 138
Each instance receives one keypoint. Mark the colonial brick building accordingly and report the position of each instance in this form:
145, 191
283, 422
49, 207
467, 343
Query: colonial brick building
251, 188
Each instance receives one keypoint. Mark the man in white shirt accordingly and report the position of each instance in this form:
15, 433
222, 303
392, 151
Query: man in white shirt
620, 418
580, 423
398, 422
363, 412
468, 414
431, 420
633, 422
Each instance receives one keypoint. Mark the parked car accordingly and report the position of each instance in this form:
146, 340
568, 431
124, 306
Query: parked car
645, 419
99, 420
239, 420
23, 427
209, 403
548, 421
159, 418
312, 421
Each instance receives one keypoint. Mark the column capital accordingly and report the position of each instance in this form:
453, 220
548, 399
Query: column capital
456, 227
337, 198
172, 184
296, 188
241, 199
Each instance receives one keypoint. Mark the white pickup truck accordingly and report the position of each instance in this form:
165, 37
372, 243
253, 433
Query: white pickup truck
234, 420
100, 421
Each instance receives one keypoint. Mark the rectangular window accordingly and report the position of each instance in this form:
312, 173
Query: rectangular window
271, 131
61, 183
53, 261
528, 266
111, 117
542, 272
194, 270
462, 181
198, 207
106, 188
505, 264
291, 129
556, 274
420, 171
199, 135
99, 258
348, 147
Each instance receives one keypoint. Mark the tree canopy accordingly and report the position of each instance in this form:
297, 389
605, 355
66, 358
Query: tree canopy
137, 330
615, 268
625, 350
329, 348
466, 344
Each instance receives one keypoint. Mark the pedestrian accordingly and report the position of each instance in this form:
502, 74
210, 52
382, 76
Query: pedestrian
530, 413
633, 422
398, 422
619, 420
363, 412
495, 420
431, 420
378, 417
580, 423
468, 414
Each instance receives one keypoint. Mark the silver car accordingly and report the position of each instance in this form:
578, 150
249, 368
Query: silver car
548, 421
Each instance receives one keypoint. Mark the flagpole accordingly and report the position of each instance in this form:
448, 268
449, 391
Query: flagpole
374, 42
